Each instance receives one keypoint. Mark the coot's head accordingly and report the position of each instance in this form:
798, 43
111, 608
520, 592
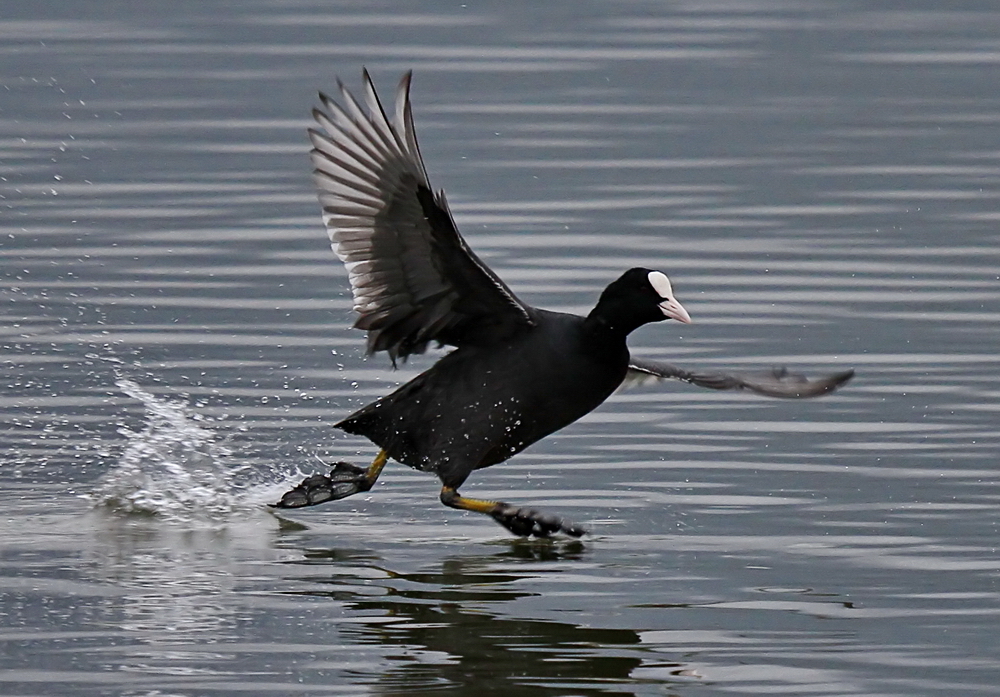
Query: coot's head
638, 297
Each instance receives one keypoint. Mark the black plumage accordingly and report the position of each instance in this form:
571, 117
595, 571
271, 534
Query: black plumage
517, 373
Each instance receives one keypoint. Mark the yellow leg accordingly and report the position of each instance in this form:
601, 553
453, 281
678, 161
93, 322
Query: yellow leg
376, 467
451, 497
523, 522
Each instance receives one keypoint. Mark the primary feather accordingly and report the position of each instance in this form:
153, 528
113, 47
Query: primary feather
413, 277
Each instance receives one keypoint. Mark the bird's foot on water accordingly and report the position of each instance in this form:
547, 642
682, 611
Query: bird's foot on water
344, 480
526, 522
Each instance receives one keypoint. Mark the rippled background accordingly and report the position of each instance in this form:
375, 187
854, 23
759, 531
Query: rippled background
820, 180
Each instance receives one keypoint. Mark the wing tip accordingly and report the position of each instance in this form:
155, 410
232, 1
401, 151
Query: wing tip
839, 379
824, 385
404, 84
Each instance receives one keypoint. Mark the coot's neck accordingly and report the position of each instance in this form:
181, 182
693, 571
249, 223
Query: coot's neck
614, 318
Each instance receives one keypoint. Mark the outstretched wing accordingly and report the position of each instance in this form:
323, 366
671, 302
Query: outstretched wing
776, 383
413, 277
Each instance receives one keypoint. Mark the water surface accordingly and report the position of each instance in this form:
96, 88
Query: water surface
819, 180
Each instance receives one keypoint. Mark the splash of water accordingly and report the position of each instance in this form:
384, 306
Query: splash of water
175, 467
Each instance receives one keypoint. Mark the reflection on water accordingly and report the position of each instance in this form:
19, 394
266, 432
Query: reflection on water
439, 626
820, 181
173, 584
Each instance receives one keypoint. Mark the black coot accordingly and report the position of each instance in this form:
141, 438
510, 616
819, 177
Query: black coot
517, 373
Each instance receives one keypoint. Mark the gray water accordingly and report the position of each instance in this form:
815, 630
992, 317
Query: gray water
819, 179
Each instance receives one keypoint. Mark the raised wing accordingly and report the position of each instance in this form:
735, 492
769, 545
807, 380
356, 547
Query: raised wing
776, 383
413, 277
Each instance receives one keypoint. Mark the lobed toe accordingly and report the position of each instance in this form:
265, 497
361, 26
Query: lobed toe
526, 522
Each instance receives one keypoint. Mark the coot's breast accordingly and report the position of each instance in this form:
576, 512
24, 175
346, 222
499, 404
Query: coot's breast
478, 406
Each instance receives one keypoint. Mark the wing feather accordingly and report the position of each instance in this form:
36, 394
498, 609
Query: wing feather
413, 278
775, 383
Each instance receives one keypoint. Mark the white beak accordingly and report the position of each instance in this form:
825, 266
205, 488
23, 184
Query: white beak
674, 310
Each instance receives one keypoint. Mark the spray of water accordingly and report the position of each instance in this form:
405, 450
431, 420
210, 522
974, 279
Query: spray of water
174, 468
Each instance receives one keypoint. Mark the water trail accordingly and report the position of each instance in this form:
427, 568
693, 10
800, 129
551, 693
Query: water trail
176, 467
